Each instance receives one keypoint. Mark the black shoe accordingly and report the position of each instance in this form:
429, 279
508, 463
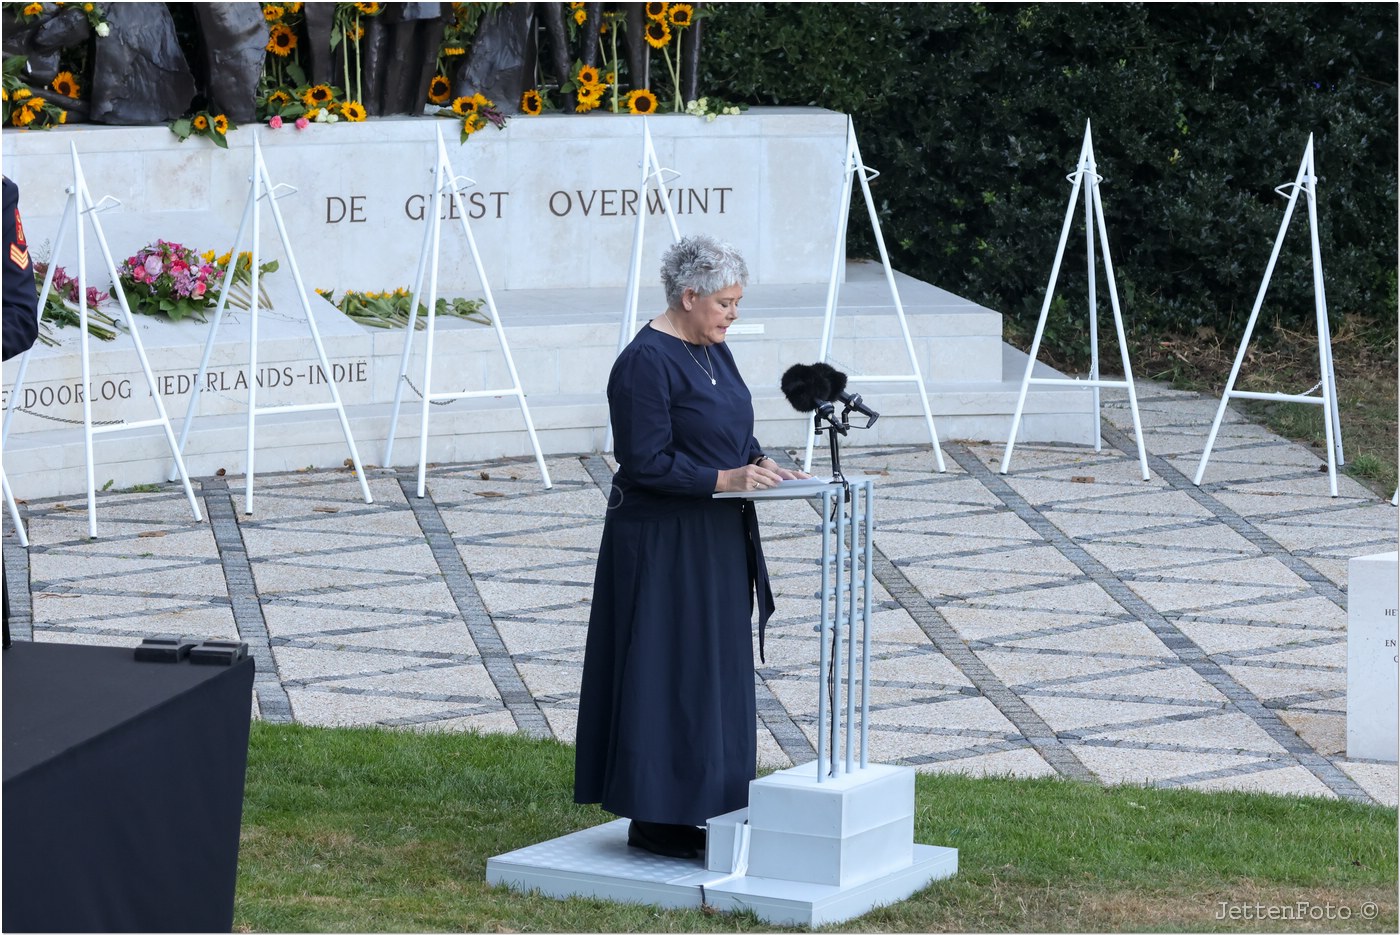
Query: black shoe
696, 836
662, 840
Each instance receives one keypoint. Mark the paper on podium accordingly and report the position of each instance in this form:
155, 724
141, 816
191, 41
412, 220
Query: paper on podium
800, 489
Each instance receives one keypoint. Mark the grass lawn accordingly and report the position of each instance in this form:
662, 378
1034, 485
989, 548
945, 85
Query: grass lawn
389, 831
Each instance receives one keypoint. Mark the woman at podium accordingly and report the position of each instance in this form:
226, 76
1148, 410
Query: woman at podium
666, 724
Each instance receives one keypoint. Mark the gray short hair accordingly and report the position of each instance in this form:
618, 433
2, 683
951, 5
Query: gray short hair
701, 263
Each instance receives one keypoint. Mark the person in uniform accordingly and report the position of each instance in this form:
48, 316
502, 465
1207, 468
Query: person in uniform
666, 723
19, 316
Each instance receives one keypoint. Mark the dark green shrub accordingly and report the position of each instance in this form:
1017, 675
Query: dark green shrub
975, 114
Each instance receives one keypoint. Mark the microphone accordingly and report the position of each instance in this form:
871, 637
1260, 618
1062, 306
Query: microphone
810, 387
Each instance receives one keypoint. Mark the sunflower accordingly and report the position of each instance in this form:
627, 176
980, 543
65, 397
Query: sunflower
658, 34
201, 123
463, 106
531, 103
641, 101
610, 78
272, 12
21, 93
580, 17
279, 98
587, 74
368, 9
356, 34
22, 117
316, 95
64, 83
454, 50
34, 9
353, 111
282, 41
575, 4
63, 116
657, 10
294, 7
681, 14
589, 97
221, 124
472, 122
439, 89
4, 94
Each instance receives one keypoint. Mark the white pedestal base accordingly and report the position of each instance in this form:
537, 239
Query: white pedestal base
843, 847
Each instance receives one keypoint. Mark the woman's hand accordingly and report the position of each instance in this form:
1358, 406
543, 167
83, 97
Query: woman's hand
761, 476
748, 478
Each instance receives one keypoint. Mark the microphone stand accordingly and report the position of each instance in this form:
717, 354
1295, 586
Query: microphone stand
834, 428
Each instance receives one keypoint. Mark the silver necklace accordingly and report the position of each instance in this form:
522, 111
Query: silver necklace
710, 370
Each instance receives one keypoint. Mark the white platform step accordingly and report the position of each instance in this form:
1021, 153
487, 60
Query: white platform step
597, 863
563, 343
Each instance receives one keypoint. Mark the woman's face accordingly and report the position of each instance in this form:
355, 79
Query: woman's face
708, 317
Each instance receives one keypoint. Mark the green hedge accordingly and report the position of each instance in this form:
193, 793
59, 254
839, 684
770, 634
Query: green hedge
975, 114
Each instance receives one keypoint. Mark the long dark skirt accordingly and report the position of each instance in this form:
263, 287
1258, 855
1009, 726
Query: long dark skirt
666, 724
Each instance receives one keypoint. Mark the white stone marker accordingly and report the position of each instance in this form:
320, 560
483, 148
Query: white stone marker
1371, 655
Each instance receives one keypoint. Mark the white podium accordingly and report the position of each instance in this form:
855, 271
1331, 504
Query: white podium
1371, 655
818, 843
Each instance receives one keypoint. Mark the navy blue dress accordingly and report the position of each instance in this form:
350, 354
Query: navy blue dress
666, 721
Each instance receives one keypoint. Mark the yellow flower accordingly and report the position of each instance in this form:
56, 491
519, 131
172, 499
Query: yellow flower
439, 89
531, 103
575, 5
35, 104
658, 33
480, 100
4, 95
681, 14
34, 9
22, 117
64, 83
223, 260
369, 9
201, 123
22, 93
657, 10
282, 41
272, 12
610, 78
587, 75
221, 124
63, 116
463, 106
317, 94
589, 97
473, 122
87, 8
356, 34
294, 7
353, 111
279, 97
641, 101
208, 256
454, 50
580, 17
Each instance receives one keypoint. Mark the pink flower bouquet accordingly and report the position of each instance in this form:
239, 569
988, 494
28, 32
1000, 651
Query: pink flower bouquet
167, 278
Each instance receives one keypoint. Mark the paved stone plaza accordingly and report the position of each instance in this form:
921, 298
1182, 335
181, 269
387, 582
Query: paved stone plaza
1067, 618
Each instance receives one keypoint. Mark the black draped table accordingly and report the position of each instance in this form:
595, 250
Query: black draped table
123, 790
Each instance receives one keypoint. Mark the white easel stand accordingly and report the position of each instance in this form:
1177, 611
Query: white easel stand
261, 187
854, 167
80, 203
818, 843
447, 184
1093, 209
1332, 426
651, 169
